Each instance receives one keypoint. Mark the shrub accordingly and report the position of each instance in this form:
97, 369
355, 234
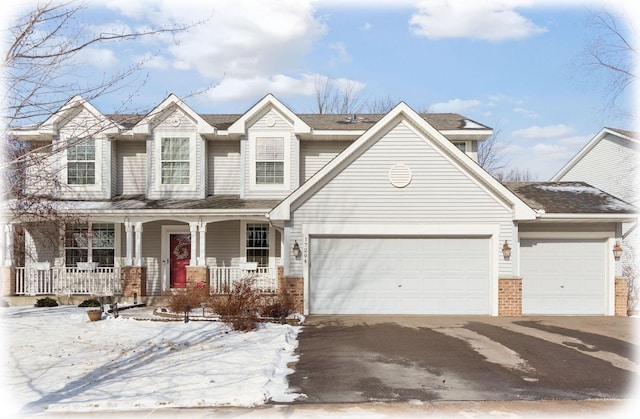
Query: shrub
191, 297
276, 307
91, 302
46, 302
240, 306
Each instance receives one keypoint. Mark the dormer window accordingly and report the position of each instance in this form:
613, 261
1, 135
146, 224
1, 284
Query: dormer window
462, 146
81, 163
269, 160
175, 161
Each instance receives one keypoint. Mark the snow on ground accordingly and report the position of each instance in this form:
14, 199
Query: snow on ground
56, 360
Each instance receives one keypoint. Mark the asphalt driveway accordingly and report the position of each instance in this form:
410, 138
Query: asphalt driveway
349, 359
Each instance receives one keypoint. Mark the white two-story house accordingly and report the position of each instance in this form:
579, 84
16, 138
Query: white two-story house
384, 214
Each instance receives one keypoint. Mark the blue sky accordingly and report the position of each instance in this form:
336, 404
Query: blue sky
515, 65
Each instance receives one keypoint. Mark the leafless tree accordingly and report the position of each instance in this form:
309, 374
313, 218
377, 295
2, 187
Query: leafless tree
491, 154
337, 96
380, 104
515, 174
610, 51
42, 55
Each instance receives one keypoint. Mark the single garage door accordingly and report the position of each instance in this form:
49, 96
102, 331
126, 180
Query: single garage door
399, 275
563, 276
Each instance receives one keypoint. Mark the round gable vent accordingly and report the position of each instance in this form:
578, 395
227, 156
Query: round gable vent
400, 175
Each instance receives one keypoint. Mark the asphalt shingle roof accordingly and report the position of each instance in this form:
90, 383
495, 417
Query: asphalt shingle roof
569, 198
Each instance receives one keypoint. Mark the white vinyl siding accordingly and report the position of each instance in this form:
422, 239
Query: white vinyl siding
224, 168
152, 256
131, 168
439, 193
617, 177
223, 244
315, 154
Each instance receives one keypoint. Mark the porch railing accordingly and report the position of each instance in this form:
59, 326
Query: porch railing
222, 279
67, 281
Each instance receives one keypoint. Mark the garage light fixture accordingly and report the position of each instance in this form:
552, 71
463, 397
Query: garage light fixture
617, 251
506, 251
296, 249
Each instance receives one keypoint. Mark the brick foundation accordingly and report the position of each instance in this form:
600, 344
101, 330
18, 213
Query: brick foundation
622, 295
133, 279
197, 277
509, 296
7, 276
291, 287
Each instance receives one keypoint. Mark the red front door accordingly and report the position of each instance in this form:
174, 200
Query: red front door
179, 257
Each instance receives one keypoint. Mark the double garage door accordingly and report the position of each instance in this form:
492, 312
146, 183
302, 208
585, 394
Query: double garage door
563, 276
399, 275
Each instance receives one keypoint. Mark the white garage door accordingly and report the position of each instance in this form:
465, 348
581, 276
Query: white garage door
563, 276
375, 275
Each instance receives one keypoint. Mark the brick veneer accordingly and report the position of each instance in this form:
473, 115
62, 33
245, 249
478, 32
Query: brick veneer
622, 295
133, 279
7, 276
197, 277
509, 296
293, 287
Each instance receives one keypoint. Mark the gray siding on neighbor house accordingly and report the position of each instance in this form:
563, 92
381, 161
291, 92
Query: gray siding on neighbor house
224, 167
223, 243
131, 163
611, 165
439, 193
315, 154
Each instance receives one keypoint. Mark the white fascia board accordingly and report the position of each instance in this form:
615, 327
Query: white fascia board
33, 135
50, 126
240, 126
467, 134
588, 217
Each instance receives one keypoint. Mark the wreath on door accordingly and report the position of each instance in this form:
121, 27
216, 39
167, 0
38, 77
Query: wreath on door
181, 251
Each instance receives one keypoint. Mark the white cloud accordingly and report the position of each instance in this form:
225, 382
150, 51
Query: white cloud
342, 55
526, 112
232, 88
366, 26
494, 20
456, 105
101, 58
245, 43
546, 132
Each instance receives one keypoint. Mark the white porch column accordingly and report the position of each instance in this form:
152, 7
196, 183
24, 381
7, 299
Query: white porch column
128, 228
193, 227
202, 245
8, 245
3, 245
138, 253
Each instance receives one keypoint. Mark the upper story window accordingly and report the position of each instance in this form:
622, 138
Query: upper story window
462, 146
269, 161
81, 163
175, 161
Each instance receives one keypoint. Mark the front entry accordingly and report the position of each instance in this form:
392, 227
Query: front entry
179, 257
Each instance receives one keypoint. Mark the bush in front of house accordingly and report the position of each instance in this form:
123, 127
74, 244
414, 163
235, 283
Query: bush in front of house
240, 306
191, 297
91, 302
46, 302
283, 304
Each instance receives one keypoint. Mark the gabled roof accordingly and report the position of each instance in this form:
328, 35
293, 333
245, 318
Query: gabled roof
143, 126
630, 136
402, 110
569, 198
267, 102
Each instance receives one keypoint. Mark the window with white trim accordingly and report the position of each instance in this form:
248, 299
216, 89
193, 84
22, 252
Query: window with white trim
270, 153
175, 160
81, 163
462, 146
90, 243
257, 243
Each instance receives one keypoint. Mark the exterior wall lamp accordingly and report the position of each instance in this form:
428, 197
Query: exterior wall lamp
296, 249
617, 251
506, 251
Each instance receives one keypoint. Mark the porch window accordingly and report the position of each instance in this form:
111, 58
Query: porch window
257, 244
81, 163
175, 161
90, 243
269, 160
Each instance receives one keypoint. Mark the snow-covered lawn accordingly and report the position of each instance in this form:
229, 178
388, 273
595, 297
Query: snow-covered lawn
57, 360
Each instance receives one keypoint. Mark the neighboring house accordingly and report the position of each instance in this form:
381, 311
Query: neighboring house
366, 214
609, 161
